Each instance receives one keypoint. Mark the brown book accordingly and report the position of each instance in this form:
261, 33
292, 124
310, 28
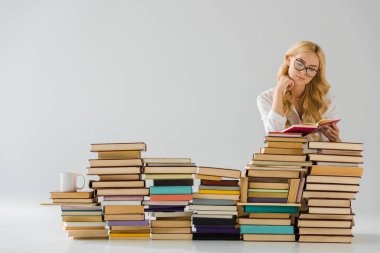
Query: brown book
325, 238
167, 160
132, 191
330, 210
336, 171
335, 152
115, 163
329, 202
169, 170
108, 217
116, 209
98, 147
268, 195
325, 223
329, 195
332, 187
172, 236
284, 158
274, 186
283, 144
271, 222
117, 184
325, 231
208, 177
72, 195
333, 179
293, 189
309, 216
114, 155
215, 196
281, 151
88, 233
113, 170
269, 238
168, 176
77, 218
273, 173
244, 189
335, 145
92, 200
286, 139
171, 223
335, 158
119, 177
171, 230
221, 172
279, 163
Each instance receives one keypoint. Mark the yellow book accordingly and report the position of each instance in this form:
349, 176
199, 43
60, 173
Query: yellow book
128, 235
219, 192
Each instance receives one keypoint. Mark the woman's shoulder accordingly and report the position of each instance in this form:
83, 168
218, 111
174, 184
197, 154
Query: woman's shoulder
265, 96
330, 97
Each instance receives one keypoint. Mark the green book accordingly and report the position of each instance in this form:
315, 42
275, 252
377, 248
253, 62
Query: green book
263, 229
171, 190
271, 209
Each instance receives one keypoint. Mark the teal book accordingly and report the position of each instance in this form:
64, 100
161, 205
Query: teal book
262, 229
171, 190
271, 209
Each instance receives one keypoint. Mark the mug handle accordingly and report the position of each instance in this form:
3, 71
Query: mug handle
84, 181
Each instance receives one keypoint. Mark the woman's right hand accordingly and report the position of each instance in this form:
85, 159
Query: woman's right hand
285, 83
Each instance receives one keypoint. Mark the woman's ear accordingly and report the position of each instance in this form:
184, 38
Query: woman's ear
288, 60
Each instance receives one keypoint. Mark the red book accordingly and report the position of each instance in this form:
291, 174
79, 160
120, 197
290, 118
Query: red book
308, 128
220, 183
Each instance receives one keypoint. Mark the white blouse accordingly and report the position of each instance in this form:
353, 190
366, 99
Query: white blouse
275, 122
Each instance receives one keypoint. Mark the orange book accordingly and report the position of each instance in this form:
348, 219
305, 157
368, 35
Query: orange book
171, 197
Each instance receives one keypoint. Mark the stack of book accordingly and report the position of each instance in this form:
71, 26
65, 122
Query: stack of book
120, 188
171, 186
331, 184
271, 192
215, 204
81, 216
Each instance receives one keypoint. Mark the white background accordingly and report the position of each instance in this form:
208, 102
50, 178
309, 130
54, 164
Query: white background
182, 76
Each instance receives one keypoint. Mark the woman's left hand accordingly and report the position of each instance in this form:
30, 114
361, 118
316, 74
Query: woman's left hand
331, 132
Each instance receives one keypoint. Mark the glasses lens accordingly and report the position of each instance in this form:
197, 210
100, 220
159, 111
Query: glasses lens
311, 72
298, 65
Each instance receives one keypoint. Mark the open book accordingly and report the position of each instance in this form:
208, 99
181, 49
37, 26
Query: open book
308, 128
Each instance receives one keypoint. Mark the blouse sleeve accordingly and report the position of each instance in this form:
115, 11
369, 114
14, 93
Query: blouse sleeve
271, 119
332, 111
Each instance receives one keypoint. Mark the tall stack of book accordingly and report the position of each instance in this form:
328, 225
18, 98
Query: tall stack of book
81, 216
171, 187
120, 188
331, 184
271, 192
215, 204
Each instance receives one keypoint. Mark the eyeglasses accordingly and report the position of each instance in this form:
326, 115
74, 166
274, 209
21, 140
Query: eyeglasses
300, 66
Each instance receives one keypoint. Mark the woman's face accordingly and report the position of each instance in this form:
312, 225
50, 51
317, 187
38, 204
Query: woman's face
303, 67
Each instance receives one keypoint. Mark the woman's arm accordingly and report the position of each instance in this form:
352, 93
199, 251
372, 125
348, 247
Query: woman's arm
284, 83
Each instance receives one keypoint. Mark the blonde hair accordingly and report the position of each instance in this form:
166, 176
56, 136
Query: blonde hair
314, 103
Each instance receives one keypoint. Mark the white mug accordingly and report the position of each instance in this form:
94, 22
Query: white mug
69, 182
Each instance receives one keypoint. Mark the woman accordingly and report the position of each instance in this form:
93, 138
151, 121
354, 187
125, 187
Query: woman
301, 95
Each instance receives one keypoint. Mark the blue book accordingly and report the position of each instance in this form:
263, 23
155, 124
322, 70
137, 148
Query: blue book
171, 190
271, 209
262, 229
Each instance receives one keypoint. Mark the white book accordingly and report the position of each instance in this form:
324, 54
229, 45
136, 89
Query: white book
84, 224
216, 212
121, 203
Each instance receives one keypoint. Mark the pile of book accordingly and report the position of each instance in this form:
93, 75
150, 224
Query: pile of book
81, 216
171, 186
331, 184
120, 188
272, 190
215, 204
